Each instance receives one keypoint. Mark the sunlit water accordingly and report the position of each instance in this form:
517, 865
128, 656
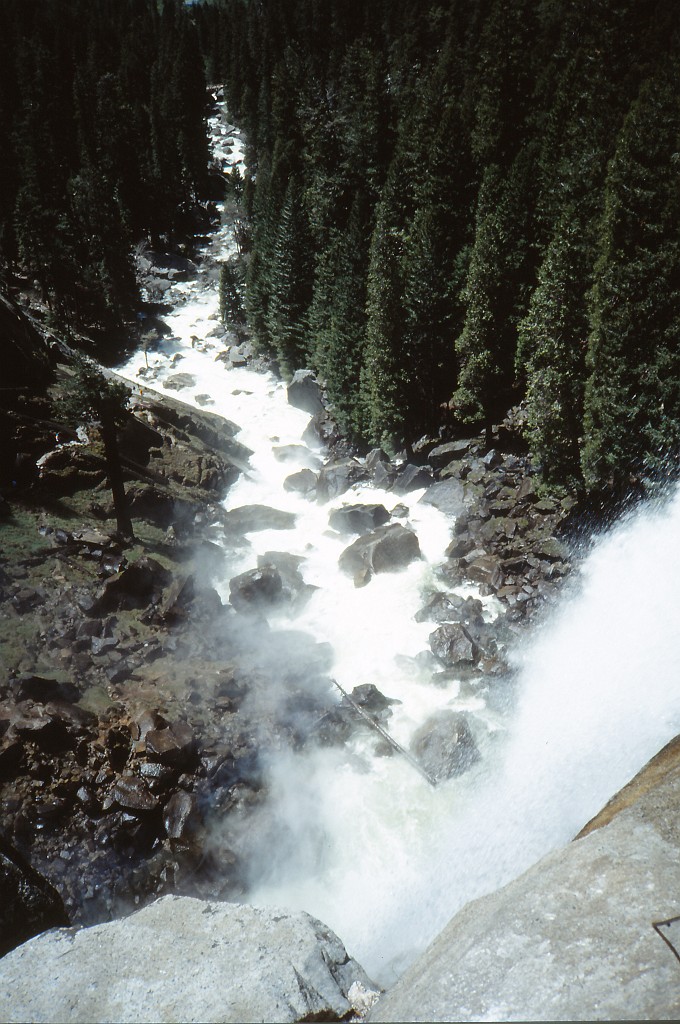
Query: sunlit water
365, 844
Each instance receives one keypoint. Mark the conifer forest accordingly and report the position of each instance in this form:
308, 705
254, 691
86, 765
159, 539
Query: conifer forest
451, 209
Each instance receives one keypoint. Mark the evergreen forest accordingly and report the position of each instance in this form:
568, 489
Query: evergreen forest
452, 208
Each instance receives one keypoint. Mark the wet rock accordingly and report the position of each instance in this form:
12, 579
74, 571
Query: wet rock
179, 814
29, 905
358, 518
294, 589
174, 746
412, 478
387, 549
322, 429
483, 569
337, 477
384, 475
453, 645
256, 588
179, 381
133, 794
451, 608
304, 392
303, 482
251, 518
158, 777
444, 745
296, 453
369, 698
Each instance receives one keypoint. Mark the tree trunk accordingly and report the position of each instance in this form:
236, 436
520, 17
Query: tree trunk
115, 474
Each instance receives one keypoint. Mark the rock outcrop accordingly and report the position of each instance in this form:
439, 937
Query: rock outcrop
189, 960
591, 932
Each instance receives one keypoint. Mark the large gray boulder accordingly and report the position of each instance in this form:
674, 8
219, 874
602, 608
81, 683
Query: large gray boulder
183, 959
304, 392
591, 932
387, 549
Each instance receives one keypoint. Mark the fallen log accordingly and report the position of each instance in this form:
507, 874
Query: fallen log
386, 736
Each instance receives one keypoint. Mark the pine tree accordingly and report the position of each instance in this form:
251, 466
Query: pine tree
632, 397
96, 399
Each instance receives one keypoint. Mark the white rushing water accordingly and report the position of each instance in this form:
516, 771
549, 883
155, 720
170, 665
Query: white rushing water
367, 846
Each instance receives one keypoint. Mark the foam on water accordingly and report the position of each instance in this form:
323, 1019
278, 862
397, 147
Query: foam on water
363, 842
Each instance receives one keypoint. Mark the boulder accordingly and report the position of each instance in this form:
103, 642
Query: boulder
185, 959
387, 549
369, 698
412, 478
446, 495
256, 588
179, 381
322, 428
294, 589
174, 745
444, 745
453, 645
134, 587
251, 518
303, 482
443, 454
304, 393
179, 814
28, 903
358, 518
451, 608
337, 477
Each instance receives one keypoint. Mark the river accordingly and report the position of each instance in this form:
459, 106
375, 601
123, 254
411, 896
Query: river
363, 842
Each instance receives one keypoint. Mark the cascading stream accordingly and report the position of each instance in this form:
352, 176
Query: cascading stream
364, 843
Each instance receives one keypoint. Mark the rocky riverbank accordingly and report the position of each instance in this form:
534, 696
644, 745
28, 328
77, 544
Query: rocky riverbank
133, 713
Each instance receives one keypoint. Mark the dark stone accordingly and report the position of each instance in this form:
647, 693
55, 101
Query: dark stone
134, 587
29, 905
179, 814
443, 454
43, 690
484, 569
173, 746
387, 549
358, 518
444, 745
384, 475
451, 608
303, 482
452, 644
376, 457
133, 794
250, 518
304, 393
369, 698
412, 478
256, 588
337, 477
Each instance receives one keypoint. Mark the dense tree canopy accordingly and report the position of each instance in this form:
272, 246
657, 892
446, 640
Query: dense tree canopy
515, 166
102, 133
455, 206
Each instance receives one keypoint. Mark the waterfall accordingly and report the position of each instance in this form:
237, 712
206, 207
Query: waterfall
361, 841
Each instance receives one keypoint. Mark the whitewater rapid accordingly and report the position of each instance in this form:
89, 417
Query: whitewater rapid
365, 844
